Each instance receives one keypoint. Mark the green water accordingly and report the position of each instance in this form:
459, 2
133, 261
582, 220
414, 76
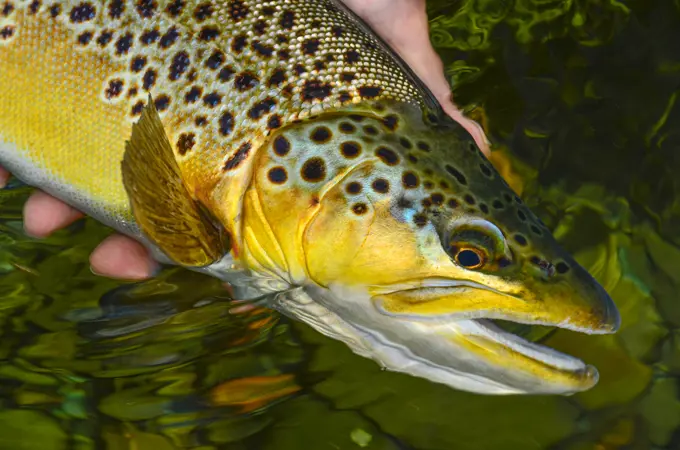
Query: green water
580, 96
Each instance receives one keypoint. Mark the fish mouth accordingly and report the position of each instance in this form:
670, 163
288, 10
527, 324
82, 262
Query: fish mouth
468, 349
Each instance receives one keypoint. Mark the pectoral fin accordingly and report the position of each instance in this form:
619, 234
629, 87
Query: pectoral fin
163, 207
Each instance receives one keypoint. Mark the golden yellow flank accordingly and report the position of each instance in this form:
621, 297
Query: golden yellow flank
52, 109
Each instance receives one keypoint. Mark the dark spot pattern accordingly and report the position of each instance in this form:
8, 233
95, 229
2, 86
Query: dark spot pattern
281, 146
83, 12
34, 7
277, 175
225, 74
212, 99
460, 178
55, 10
405, 143
226, 123
169, 38
193, 95
215, 60
138, 63
180, 63
239, 43
381, 186
387, 156
354, 188
347, 127
146, 8
104, 38
237, 158
469, 199
359, 209
274, 122
149, 79
261, 108
520, 239
321, 135
162, 102
287, 20
352, 56
85, 37
237, 10
278, 77
452, 203
7, 9
263, 49
313, 170
562, 267
410, 180
175, 8
185, 143
350, 150
310, 46
123, 44
316, 90
245, 81
114, 89
420, 220
149, 37
370, 91
203, 11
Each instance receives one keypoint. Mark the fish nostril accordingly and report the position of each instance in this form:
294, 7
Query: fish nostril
546, 267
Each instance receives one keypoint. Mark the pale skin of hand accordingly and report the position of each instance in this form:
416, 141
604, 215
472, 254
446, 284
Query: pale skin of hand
401, 23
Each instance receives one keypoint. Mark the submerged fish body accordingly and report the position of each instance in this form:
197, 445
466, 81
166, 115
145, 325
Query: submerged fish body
282, 147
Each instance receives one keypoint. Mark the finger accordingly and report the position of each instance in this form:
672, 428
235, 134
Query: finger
123, 258
44, 214
4, 176
389, 18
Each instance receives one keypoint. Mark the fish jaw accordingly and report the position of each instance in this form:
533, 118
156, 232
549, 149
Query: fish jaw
472, 355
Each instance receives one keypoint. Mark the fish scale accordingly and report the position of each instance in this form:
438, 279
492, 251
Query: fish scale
222, 74
281, 146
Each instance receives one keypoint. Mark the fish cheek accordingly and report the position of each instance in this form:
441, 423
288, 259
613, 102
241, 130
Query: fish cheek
335, 234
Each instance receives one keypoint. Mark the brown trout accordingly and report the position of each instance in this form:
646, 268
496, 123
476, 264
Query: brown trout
281, 146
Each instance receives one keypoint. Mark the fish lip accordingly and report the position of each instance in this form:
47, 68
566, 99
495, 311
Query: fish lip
445, 284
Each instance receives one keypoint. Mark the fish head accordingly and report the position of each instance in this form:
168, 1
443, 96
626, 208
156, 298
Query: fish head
420, 244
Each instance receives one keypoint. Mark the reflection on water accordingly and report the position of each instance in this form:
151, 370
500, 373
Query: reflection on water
580, 100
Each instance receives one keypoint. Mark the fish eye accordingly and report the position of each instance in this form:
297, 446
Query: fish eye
470, 258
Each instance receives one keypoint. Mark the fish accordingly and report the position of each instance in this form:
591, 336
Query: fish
283, 147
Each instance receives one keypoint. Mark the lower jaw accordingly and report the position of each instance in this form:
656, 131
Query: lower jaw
532, 333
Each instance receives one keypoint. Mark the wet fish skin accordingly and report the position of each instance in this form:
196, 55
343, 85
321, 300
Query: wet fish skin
332, 170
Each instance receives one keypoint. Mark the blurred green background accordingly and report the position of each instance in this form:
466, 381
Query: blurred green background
580, 101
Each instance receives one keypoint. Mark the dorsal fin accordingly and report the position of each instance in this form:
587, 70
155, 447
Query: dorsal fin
162, 206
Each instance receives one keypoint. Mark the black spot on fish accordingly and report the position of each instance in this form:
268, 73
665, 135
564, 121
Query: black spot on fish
424, 146
238, 43
353, 188
521, 215
484, 208
162, 102
203, 11
226, 123
175, 8
314, 89
225, 74
537, 231
370, 130
521, 240
7, 9
180, 63
138, 63
387, 156
85, 37
469, 199
260, 27
208, 33
277, 175
262, 49
321, 135
281, 146
193, 95
146, 8
123, 44
212, 99
200, 121
137, 108
310, 46
437, 198
405, 143
420, 220
347, 127
104, 38
299, 69
55, 10
390, 122
261, 108
149, 79
337, 30
169, 38
456, 174
237, 158
452, 203
274, 122
313, 170
562, 267
350, 150
381, 186
370, 91
359, 209
185, 142
352, 56
215, 60
149, 37
245, 81
237, 10
287, 20
347, 77
278, 77
82, 13
497, 204
114, 89
410, 180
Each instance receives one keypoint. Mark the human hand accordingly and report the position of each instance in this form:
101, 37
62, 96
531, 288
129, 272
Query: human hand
124, 258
